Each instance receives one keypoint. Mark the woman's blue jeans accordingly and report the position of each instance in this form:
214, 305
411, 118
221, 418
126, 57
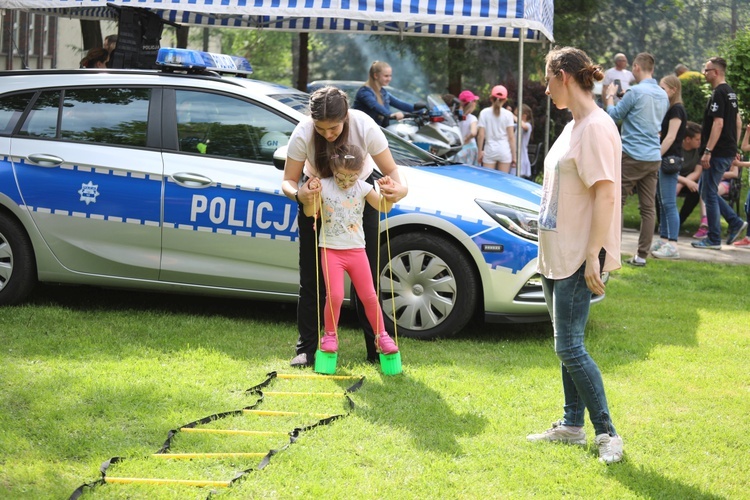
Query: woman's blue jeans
669, 217
568, 301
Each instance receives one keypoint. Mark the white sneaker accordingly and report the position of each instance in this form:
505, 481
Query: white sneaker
610, 448
561, 433
657, 245
667, 251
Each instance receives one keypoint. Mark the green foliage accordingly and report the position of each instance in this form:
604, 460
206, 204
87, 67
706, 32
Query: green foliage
674, 31
695, 94
269, 52
737, 54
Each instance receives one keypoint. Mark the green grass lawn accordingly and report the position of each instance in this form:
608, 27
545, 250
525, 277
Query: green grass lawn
88, 374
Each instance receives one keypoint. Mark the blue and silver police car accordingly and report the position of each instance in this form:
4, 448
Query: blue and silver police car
166, 181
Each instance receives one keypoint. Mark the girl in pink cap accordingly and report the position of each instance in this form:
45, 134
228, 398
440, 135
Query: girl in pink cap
469, 153
494, 133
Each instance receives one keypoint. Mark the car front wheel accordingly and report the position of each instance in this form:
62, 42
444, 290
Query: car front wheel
17, 266
429, 286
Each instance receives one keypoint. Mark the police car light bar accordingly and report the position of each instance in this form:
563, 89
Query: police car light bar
186, 59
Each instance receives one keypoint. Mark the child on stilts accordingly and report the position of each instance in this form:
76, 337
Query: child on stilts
342, 243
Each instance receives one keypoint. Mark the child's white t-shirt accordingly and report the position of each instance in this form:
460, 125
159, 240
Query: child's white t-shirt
341, 215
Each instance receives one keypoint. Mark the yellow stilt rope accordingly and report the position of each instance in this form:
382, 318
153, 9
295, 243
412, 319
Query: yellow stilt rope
325, 362
390, 364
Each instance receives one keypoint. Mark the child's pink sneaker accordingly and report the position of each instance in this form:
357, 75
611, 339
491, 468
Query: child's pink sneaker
701, 233
385, 344
743, 243
329, 343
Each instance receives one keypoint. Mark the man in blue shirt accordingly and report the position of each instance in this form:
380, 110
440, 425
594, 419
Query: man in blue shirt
641, 111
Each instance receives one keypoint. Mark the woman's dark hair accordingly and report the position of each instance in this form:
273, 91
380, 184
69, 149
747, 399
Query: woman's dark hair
329, 104
577, 64
95, 55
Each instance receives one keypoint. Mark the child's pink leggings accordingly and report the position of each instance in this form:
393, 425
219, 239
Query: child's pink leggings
354, 262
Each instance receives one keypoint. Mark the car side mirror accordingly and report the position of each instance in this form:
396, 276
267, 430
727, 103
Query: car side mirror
279, 158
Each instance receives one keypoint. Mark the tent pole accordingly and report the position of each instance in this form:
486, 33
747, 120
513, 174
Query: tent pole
519, 104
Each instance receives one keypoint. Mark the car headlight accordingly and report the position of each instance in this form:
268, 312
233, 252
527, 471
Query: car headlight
519, 221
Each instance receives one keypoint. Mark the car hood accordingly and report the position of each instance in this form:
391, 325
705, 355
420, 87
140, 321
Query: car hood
452, 184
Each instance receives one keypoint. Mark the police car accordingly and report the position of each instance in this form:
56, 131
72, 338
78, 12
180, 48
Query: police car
166, 181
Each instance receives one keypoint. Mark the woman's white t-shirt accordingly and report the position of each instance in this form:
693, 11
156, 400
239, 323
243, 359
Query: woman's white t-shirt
585, 153
363, 132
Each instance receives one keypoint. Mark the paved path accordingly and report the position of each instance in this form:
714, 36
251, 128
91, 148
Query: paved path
728, 254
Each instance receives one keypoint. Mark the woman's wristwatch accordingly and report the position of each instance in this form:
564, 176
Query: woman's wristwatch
706, 151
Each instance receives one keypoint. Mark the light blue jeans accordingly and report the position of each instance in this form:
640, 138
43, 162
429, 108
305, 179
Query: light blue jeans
669, 217
716, 206
568, 301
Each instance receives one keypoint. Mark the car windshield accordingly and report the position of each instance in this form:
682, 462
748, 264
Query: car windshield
298, 101
404, 152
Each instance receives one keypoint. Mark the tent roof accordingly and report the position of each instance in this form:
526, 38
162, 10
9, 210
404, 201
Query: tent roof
487, 19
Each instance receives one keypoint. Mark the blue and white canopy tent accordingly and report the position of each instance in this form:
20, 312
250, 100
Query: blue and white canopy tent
502, 20
486, 19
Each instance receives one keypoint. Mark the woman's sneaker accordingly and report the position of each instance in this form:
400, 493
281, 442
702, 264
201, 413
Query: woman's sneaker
667, 251
560, 433
610, 448
329, 343
657, 245
743, 243
385, 344
701, 233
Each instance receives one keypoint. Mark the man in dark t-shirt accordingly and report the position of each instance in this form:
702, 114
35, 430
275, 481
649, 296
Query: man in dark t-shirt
719, 147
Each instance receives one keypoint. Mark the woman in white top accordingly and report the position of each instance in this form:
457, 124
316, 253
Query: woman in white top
579, 236
497, 149
315, 139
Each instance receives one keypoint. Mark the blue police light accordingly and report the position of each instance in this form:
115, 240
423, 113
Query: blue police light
186, 59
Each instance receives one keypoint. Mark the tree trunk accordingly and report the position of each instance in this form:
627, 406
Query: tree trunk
303, 62
91, 32
181, 33
456, 48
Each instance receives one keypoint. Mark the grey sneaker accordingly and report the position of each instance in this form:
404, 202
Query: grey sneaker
300, 360
561, 433
667, 251
610, 448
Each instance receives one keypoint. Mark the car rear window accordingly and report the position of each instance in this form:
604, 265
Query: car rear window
91, 115
11, 109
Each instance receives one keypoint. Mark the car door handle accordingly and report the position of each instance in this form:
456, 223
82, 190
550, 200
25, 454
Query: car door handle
191, 180
45, 160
